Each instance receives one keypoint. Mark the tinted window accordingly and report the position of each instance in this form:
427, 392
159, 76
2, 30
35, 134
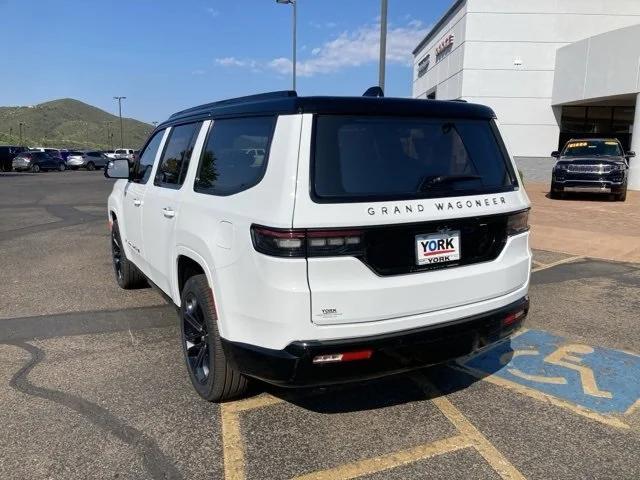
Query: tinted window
235, 156
403, 157
177, 153
144, 165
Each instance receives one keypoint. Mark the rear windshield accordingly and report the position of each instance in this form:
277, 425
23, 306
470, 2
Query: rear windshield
391, 158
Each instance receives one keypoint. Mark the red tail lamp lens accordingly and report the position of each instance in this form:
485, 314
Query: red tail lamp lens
343, 357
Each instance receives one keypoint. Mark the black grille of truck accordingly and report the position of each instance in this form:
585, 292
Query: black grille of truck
391, 249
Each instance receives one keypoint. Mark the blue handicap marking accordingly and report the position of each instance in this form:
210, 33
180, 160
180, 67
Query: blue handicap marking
600, 379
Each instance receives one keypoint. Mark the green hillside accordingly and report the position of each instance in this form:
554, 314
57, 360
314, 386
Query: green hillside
69, 123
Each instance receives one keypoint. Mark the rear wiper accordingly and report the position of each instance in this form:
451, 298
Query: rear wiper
432, 180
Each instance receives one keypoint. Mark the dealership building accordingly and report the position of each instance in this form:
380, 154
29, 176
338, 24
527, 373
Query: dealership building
550, 69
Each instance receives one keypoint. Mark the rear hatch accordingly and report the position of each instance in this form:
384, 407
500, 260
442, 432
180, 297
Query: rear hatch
403, 216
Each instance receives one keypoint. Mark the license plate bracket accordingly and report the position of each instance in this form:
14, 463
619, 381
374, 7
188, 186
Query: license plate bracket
436, 248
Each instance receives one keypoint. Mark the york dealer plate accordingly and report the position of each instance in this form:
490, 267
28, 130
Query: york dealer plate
439, 247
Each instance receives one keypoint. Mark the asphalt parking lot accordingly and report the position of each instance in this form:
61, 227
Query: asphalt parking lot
92, 381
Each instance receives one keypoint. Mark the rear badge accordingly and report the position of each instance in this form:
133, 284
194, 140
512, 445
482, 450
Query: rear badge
440, 247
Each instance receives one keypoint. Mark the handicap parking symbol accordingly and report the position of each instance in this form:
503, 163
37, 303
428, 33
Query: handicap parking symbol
601, 379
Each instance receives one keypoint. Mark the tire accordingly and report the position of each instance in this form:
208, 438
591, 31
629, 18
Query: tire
622, 196
555, 194
210, 373
127, 274
62, 167
35, 168
91, 166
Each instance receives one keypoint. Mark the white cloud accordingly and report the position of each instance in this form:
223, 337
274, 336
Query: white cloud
234, 62
347, 50
212, 11
198, 72
360, 47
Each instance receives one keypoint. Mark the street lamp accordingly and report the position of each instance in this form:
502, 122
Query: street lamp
383, 43
295, 21
119, 99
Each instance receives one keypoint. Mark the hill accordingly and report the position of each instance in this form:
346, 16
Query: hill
69, 123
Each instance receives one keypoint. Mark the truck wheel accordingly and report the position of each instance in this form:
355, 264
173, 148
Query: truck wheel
127, 274
91, 166
555, 193
622, 196
211, 375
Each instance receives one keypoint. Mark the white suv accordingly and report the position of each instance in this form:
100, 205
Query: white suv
375, 236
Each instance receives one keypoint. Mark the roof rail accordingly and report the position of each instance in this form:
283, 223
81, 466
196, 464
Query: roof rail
459, 100
374, 92
236, 101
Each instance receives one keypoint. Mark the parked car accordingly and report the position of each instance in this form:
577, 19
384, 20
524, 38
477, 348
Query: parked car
89, 160
36, 161
110, 153
597, 165
7, 154
124, 153
376, 236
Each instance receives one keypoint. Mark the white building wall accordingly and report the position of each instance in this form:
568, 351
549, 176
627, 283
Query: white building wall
445, 75
509, 56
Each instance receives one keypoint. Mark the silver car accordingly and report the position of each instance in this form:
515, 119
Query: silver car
89, 160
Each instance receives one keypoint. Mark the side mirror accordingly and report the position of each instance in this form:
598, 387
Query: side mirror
555, 154
630, 154
118, 168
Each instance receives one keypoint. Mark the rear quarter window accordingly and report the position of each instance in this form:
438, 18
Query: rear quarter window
235, 155
358, 158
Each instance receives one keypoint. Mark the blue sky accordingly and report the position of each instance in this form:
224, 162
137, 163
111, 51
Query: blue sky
167, 55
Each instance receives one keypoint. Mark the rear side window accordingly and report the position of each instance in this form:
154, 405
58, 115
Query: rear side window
235, 156
393, 158
176, 156
144, 165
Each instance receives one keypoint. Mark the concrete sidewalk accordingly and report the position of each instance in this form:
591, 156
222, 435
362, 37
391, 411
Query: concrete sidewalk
585, 224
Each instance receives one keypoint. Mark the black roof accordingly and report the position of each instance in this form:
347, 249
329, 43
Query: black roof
288, 102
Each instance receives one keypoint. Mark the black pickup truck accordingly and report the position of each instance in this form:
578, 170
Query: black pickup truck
591, 165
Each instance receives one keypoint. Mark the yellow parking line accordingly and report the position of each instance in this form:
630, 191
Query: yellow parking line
232, 443
543, 397
633, 407
559, 262
264, 400
490, 453
392, 460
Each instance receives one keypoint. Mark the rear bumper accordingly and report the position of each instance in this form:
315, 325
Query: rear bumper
392, 353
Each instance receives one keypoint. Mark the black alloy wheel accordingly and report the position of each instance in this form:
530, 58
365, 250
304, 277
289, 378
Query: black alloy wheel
195, 337
116, 254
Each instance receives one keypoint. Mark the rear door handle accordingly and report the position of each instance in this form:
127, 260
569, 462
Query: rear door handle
168, 212
137, 202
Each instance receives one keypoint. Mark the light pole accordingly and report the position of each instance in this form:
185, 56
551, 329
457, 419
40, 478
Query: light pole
20, 124
295, 24
383, 43
119, 99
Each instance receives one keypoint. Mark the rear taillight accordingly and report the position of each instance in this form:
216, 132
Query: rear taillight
307, 243
518, 223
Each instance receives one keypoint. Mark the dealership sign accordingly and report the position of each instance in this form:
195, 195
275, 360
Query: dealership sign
445, 44
423, 65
